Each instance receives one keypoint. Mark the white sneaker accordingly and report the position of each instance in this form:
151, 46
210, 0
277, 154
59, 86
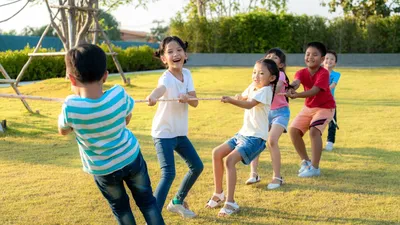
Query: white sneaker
180, 209
304, 164
310, 172
329, 146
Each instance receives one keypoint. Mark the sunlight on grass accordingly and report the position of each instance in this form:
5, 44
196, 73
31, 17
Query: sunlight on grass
42, 181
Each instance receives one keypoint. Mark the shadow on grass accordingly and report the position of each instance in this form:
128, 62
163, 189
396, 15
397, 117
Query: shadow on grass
375, 178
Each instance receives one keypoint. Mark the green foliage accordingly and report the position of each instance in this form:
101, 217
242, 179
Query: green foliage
38, 31
131, 59
363, 9
110, 26
258, 31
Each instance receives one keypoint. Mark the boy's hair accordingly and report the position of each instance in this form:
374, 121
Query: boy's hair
86, 62
166, 41
273, 69
278, 52
333, 53
318, 45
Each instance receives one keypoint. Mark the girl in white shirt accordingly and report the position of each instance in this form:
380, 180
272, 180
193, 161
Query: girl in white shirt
170, 125
250, 141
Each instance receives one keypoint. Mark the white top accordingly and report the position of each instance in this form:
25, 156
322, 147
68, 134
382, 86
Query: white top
171, 118
255, 122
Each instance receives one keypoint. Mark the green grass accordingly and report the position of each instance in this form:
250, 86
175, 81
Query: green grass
41, 180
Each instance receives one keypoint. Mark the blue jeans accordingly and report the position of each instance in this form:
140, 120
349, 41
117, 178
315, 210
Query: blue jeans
165, 153
137, 179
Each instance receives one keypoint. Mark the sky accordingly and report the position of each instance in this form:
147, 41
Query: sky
132, 18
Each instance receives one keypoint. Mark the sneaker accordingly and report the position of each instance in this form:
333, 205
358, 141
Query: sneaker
329, 146
310, 172
304, 164
180, 209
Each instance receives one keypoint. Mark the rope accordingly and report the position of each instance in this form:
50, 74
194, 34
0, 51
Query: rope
62, 100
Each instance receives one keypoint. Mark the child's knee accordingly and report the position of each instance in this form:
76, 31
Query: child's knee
315, 132
230, 161
198, 169
272, 143
217, 153
294, 132
168, 173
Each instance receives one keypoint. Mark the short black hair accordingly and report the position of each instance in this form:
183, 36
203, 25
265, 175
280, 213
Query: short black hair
318, 45
166, 41
333, 53
86, 62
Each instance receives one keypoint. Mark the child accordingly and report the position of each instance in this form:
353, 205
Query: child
109, 151
318, 110
278, 118
249, 142
329, 64
170, 125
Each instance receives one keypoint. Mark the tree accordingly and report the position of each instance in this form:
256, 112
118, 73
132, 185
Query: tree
10, 32
32, 31
74, 24
363, 9
110, 25
220, 8
159, 32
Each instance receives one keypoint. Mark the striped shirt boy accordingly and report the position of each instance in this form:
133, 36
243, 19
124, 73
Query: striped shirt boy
105, 144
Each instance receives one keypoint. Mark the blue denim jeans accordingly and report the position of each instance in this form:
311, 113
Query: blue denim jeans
137, 179
165, 152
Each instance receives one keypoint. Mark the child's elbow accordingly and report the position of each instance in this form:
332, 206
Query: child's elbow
63, 132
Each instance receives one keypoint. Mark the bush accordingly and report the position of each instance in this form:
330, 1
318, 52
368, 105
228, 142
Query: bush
40, 68
258, 31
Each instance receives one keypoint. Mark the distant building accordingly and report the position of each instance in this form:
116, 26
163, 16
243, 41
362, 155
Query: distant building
136, 36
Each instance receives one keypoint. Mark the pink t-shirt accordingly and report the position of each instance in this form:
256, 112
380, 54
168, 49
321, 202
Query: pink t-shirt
280, 100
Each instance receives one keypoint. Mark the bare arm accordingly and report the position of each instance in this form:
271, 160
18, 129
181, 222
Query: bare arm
279, 85
128, 118
63, 131
332, 86
295, 84
240, 103
191, 94
305, 94
156, 94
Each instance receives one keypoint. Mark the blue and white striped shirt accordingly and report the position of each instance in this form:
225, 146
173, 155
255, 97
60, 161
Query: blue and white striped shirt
105, 144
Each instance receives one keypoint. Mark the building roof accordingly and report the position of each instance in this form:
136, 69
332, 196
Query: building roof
136, 33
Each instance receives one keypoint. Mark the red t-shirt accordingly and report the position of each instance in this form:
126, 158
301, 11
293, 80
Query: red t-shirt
324, 98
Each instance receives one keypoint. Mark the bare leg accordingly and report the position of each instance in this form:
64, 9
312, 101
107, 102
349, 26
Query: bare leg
297, 139
233, 158
316, 146
253, 166
273, 139
219, 153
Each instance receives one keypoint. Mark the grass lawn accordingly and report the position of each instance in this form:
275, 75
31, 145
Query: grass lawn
41, 180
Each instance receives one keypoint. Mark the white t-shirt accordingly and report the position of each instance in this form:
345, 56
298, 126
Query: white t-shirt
171, 118
255, 122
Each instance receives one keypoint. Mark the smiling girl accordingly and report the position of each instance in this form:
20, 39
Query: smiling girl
170, 125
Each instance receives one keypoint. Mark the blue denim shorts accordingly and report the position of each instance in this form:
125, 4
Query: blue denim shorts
249, 147
279, 116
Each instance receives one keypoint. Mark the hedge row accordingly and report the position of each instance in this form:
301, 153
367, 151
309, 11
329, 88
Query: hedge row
258, 31
131, 59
